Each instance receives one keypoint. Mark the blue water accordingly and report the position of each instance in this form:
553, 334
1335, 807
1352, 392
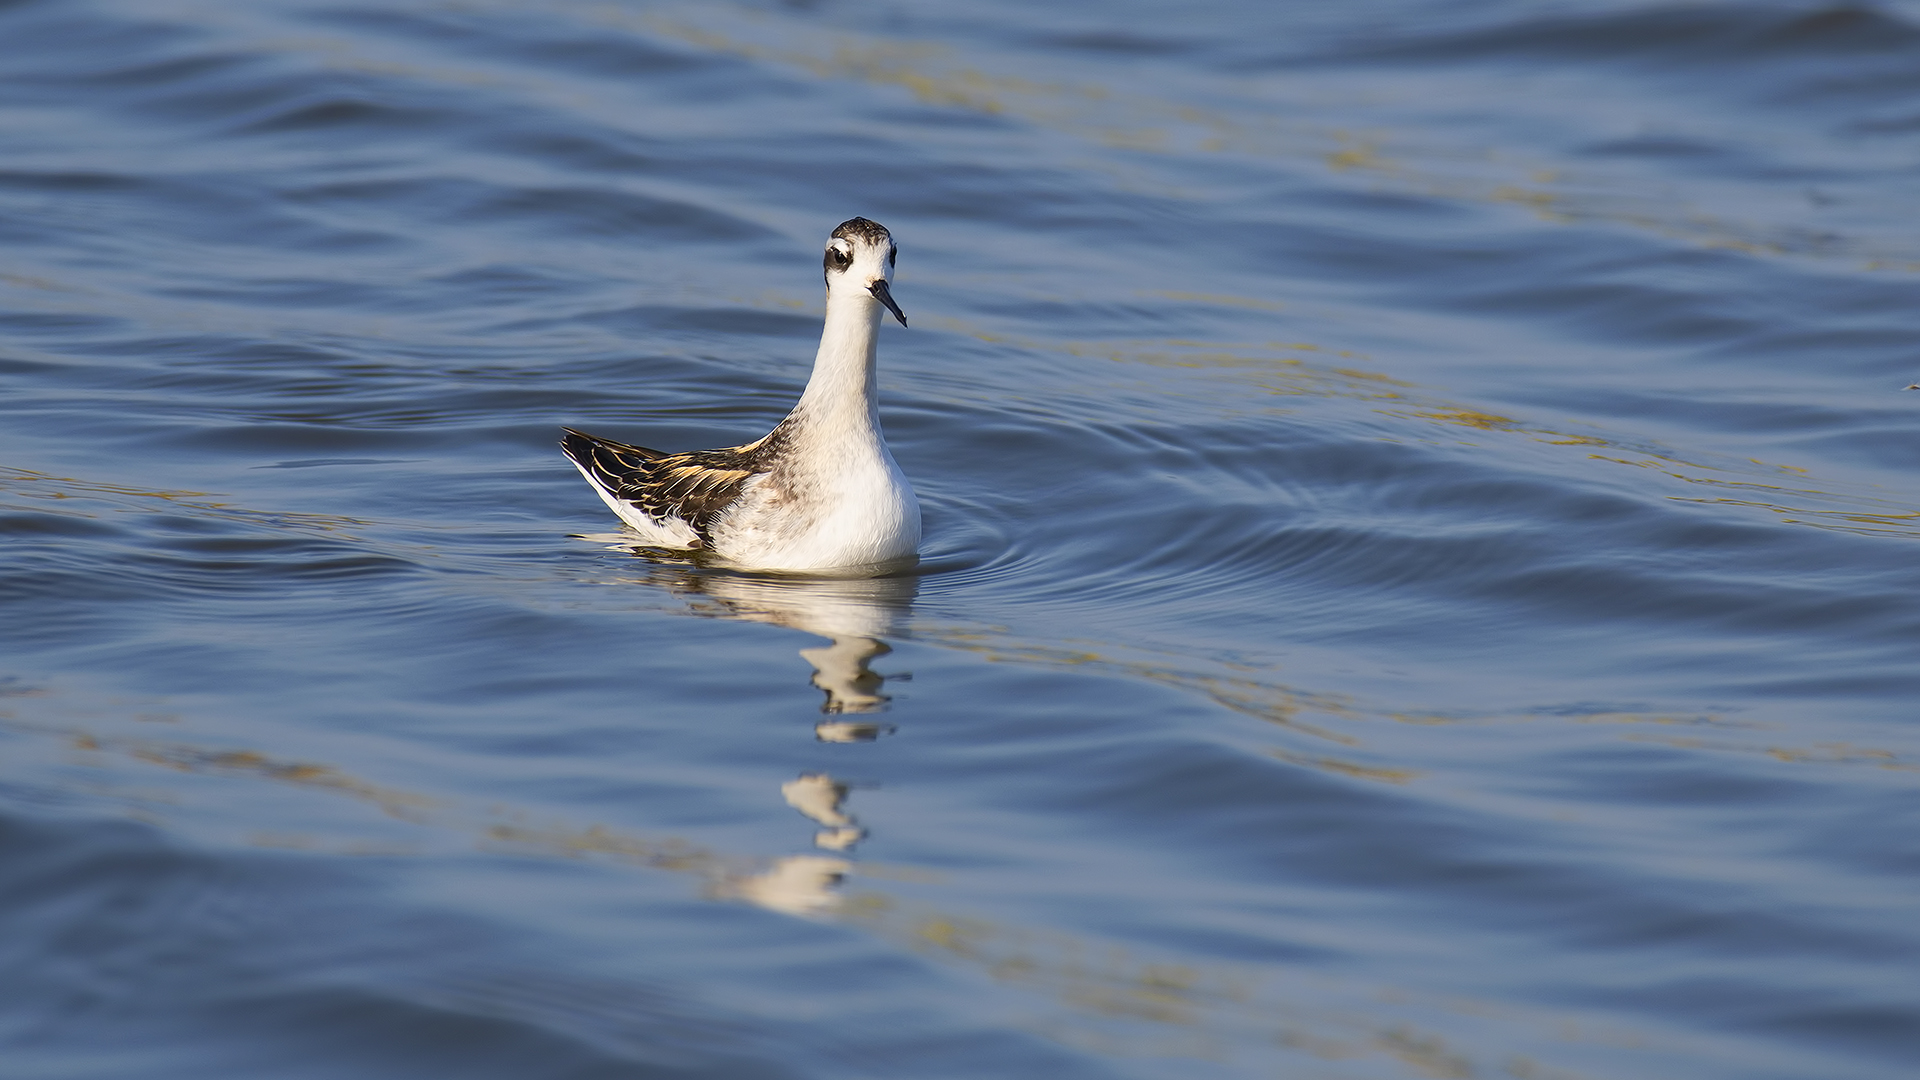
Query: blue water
1419, 581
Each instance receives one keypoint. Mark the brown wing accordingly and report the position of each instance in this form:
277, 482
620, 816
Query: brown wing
694, 487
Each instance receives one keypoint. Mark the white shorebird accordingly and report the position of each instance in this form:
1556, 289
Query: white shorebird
820, 491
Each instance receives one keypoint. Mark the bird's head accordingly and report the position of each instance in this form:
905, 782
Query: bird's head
859, 259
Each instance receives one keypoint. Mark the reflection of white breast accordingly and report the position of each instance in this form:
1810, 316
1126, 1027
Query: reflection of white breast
858, 607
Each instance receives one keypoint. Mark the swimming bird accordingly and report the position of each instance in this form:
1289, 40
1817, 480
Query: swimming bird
820, 492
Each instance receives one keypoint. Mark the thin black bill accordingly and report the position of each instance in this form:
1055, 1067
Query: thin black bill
885, 296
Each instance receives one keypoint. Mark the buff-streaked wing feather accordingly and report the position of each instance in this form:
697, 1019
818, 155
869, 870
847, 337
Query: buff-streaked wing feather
608, 461
694, 487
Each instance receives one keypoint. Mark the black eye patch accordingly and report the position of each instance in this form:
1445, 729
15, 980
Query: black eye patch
837, 259
892, 254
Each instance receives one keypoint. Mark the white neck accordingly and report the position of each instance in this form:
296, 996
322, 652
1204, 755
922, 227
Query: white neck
841, 393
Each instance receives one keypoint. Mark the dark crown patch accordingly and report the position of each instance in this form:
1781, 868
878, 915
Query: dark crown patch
861, 229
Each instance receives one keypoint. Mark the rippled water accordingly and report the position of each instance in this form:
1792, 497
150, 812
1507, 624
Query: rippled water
1420, 574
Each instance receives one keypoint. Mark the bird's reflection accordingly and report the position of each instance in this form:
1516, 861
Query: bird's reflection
793, 885
853, 614
841, 670
819, 796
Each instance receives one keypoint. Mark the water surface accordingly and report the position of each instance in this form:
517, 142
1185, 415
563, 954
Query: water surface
1419, 576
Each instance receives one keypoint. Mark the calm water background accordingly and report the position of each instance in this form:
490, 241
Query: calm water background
1420, 582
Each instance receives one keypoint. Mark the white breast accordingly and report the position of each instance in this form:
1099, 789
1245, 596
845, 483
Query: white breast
849, 510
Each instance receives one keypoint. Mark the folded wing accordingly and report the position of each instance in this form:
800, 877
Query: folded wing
690, 489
